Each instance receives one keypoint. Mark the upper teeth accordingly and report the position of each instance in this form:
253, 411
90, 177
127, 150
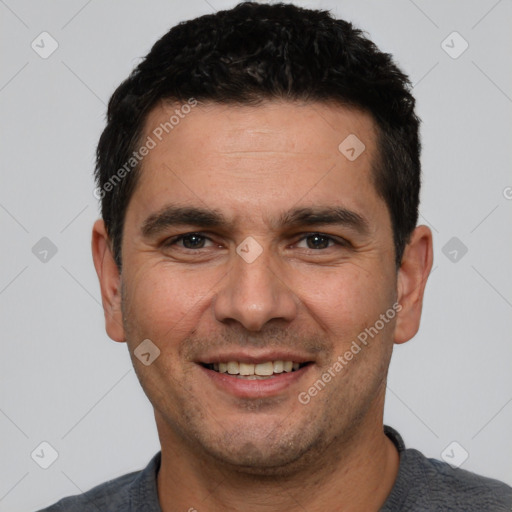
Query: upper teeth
266, 368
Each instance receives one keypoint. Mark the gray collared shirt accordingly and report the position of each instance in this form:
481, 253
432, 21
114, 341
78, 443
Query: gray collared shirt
422, 485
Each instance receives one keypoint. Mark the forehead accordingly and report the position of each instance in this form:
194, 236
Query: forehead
280, 126
249, 158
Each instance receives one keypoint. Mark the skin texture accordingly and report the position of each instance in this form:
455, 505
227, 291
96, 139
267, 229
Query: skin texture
253, 163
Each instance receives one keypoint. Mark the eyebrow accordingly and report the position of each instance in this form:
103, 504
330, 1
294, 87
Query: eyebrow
171, 216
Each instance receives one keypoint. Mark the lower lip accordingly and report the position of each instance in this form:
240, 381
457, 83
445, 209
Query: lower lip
245, 388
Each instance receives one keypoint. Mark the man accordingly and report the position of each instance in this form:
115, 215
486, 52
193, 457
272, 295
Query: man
258, 252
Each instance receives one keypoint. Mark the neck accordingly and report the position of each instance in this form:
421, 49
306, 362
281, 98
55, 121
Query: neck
355, 475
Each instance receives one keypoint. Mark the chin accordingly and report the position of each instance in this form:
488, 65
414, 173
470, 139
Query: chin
275, 454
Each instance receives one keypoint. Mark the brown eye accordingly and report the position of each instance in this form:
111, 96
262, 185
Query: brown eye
319, 241
187, 241
193, 241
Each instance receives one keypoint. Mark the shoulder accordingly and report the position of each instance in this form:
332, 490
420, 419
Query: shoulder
424, 485
124, 493
114, 493
439, 486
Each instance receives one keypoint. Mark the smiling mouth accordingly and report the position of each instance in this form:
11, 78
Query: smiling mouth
255, 371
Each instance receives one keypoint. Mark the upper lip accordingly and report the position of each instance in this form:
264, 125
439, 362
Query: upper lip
255, 357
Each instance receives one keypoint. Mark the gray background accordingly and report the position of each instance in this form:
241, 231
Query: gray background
64, 382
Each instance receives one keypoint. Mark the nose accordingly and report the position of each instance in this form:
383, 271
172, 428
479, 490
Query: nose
253, 293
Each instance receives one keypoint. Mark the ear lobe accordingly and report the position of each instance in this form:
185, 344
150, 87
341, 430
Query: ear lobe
110, 281
412, 279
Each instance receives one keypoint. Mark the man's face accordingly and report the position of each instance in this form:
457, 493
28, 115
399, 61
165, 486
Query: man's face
273, 281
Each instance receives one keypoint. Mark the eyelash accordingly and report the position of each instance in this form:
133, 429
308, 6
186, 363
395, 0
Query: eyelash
174, 240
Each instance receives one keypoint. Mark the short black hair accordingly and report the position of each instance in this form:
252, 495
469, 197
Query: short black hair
256, 52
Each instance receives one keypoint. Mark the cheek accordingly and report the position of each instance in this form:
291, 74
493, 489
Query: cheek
346, 300
163, 302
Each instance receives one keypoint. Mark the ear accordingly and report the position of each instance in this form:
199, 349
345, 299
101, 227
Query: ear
110, 281
412, 278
